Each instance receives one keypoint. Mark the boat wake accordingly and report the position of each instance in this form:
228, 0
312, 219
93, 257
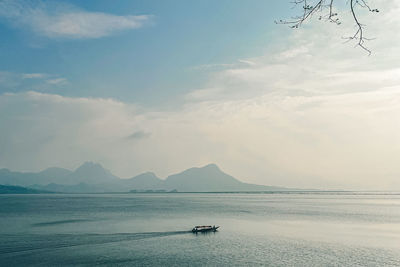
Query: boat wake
59, 222
28, 243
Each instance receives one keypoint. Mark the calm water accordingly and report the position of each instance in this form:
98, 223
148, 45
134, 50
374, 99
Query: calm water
152, 229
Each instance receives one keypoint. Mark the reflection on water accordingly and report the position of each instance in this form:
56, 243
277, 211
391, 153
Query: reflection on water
295, 229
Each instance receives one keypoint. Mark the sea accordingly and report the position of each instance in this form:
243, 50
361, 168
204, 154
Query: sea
150, 229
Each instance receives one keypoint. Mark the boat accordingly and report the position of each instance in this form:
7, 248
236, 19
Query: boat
204, 228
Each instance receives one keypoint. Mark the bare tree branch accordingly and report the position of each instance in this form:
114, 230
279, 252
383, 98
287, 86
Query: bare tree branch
325, 10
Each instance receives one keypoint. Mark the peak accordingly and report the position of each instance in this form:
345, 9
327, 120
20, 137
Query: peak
92, 172
211, 166
55, 171
51, 168
149, 174
90, 164
207, 168
91, 167
146, 175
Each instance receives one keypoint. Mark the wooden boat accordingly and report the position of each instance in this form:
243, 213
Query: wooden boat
204, 228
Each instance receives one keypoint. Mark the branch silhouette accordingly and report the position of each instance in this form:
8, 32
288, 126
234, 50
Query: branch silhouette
325, 9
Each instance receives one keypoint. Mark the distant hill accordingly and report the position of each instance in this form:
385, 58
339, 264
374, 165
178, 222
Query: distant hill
88, 173
93, 178
91, 173
9, 189
210, 179
144, 181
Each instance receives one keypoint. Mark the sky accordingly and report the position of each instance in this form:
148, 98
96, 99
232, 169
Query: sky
163, 86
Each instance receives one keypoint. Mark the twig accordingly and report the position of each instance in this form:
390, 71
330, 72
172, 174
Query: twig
331, 16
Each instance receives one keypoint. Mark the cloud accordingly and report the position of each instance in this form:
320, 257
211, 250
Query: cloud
56, 20
313, 108
313, 113
33, 75
57, 81
219, 66
16, 82
313, 60
341, 141
139, 135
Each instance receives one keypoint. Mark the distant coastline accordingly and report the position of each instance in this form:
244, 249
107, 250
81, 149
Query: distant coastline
19, 190
10, 189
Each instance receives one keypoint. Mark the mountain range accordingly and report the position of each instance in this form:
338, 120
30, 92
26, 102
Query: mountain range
93, 178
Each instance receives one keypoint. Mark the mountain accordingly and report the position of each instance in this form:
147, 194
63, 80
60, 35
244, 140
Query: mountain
90, 173
10, 189
93, 178
210, 179
144, 181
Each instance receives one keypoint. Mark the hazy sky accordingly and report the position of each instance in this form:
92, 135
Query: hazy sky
167, 85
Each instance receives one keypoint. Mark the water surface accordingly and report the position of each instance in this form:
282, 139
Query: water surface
284, 229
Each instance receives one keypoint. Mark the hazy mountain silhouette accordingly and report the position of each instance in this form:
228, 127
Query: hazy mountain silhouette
92, 178
147, 180
209, 179
90, 173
